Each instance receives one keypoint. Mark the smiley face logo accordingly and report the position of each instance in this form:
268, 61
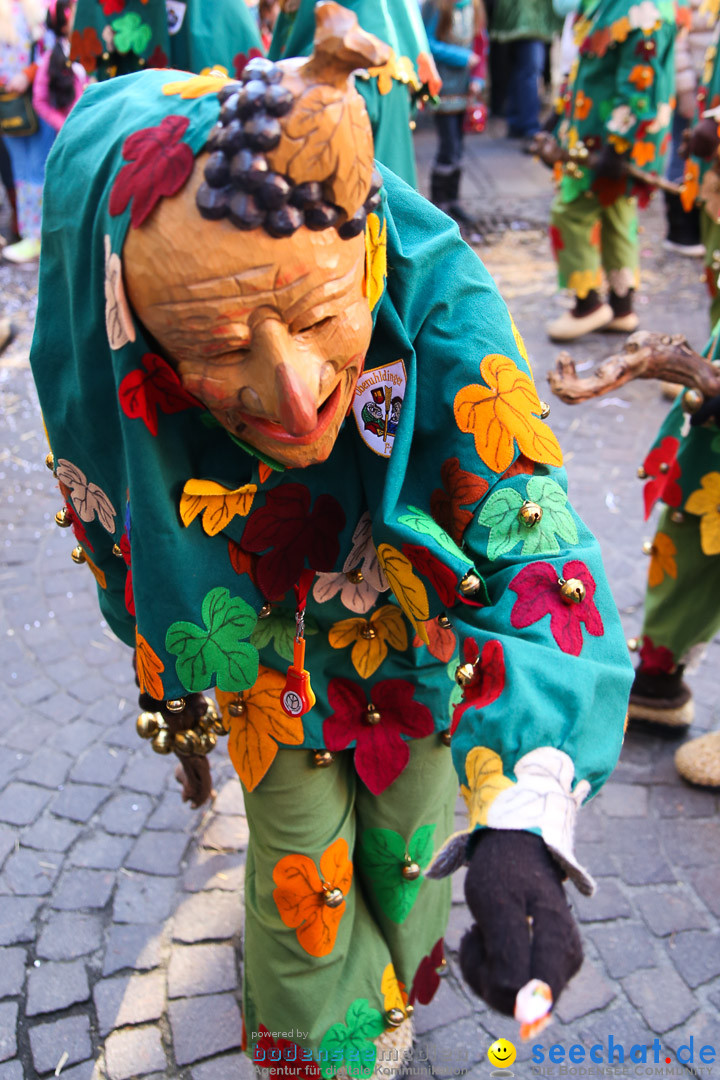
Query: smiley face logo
502, 1053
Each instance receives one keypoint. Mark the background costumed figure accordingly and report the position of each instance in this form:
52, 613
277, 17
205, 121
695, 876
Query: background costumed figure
261, 280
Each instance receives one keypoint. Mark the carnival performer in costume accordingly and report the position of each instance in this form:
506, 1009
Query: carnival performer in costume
617, 109
389, 91
128, 35
242, 511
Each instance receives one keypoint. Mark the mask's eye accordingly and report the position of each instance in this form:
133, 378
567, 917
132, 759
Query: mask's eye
321, 324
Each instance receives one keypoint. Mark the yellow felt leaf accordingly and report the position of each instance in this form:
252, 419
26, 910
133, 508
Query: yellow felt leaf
706, 503
519, 341
620, 29
218, 504
501, 414
385, 74
485, 782
263, 723
662, 561
367, 655
388, 622
375, 259
392, 990
582, 281
198, 86
345, 632
149, 666
409, 591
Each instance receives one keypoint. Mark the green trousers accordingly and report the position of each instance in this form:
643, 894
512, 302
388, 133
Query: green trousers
329, 977
710, 235
588, 238
682, 602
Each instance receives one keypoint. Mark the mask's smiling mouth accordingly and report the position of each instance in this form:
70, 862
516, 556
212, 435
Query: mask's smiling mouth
277, 433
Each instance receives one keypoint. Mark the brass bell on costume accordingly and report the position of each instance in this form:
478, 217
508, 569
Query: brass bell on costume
692, 400
530, 514
368, 632
470, 584
147, 725
78, 555
465, 674
544, 410
187, 742
572, 591
162, 742
117, 551
237, 707
333, 897
677, 517
175, 705
264, 611
207, 742
323, 758
395, 1017
50, 461
411, 871
648, 547
633, 644
443, 622
664, 467
372, 715
62, 518
445, 736
641, 474
355, 577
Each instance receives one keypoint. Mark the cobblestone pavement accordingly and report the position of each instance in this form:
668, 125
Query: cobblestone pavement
120, 908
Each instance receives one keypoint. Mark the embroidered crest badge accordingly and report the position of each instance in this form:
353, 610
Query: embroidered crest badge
175, 15
377, 404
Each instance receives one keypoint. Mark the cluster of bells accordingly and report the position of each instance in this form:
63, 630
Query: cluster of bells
578, 156
195, 741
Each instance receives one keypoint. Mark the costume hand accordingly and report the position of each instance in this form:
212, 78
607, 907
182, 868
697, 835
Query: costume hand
703, 140
608, 163
523, 925
18, 84
545, 147
709, 410
193, 771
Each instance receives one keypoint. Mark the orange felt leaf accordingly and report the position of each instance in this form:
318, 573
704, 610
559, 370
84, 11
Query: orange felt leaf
255, 734
582, 107
620, 29
96, 572
501, 414
217, 504
264, 471
460, 488
642, 76
428, 73
243, 562
690, 187
300, 898
662, 561
520, 466
149, 666
441, 642
368, 652
643, 153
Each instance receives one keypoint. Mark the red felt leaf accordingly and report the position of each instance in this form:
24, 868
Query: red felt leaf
241, 561
441, 577
290, 1061
380, 760
112, 7
662, 484
539, 595
521, 465
427, 979
655, 659
77, 527
160, 163
157, 58
293, 535
490, 682
460, 488
142, 393
440, 643
241, 60
126, 554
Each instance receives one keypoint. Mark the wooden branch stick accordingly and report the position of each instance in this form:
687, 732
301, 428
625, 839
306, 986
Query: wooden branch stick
645, 355
550, 152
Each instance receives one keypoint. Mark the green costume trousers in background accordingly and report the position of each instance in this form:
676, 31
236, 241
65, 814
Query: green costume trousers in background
300, 814
683, 609
588, 238
710, 235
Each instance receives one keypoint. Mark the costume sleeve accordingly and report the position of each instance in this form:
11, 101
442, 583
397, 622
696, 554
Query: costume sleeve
484, 500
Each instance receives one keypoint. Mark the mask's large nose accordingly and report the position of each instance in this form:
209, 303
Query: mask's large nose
296, 383
296, 404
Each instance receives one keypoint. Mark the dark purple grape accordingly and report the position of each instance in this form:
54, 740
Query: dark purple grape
214, 141
251, 98
354, 225
228, 90
248, 169
278, 100
283, 222
213, 202
230, 109
306, 194
261, 68
232, 138
322, 215
245, 212
372, 202
217, 170
274, 191
263, 132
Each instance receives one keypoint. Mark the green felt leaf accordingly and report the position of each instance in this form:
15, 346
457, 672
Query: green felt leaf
352, 1043
422, 523
500, 515
217, 649
332, 1049
382, 857
364, 1022
131, 33
278, 629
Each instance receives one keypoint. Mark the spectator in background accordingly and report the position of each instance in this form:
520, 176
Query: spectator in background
8, 181
527, 27
58, 82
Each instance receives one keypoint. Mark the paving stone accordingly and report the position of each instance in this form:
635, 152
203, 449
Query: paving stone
55, 986
88, 689
12, 972
100, 765
207, 916
211, 870
661, 996
174, 815
134, 999
33, 732
691, 843
86, 1070
623, 800
67, 935
126, 814
683, 802
217, 1016
134, 1053
608, 903
624, 948
16, 919
449, 1004
229, 799
61, 709
158, 853
48, 1042
586, 993
646, 868
78, 889
8, 1037
51, 834
13, 1070
696, 955
79, 802
201, 969
74, 738
101, 851
703, 1031
9, 839
460, 920
146, 772
707, 884
47, 767
669, 911
226, 833
453, 1047
30, 873
143, 899
228, 1067
21, 804
137, 947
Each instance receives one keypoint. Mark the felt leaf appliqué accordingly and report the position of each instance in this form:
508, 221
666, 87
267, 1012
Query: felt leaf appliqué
131, 34
118, 319
159, 164
662, 560
279, 628
300, 899
501, 515
490, 681
149, 668
283, 1058
88, 499
441, 641
539, 595
501, 414
663, 472
353, 1042
381, 855
142, 393
409, 591
217, 648
370, 638
427, 979
460, 488
422, 523
375, 259
217, 504
705, 501
254, 735
392, 990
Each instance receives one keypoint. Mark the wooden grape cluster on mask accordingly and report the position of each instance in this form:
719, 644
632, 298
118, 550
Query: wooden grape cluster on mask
292, 145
